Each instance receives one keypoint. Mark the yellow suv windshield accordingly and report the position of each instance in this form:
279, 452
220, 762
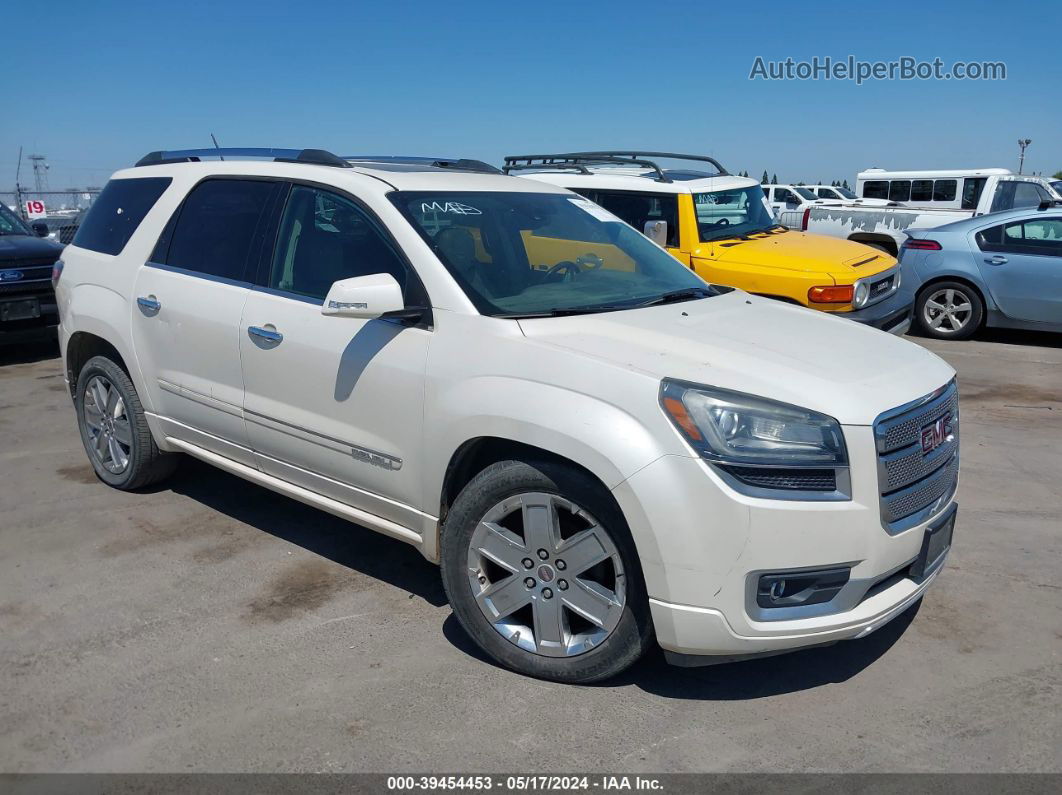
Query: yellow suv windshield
731, 213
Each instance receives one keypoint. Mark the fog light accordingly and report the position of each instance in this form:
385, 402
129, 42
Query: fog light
797, 588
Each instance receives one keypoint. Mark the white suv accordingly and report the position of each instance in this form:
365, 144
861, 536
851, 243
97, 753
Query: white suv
599, 448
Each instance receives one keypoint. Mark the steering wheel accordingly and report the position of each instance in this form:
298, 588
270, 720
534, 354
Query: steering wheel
564, 268
589, 261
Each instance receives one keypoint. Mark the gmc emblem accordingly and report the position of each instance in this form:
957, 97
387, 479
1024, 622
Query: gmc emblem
935, 434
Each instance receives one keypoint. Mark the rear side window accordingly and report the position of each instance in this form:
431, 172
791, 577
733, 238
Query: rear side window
215, 229
922, 190
900, 190
876, 189
117, 212
944, 190
637, 209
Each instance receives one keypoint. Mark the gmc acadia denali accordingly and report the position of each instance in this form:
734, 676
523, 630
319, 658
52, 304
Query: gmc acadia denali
600, 449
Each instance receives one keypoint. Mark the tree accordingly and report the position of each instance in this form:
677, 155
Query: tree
774, 179
763, 181
1058, 175
845, 185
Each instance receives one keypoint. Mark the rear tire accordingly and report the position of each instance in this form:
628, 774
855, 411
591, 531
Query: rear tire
949, 310
538, 512
114, 429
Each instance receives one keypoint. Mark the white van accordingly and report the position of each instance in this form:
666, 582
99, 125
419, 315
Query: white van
949, 189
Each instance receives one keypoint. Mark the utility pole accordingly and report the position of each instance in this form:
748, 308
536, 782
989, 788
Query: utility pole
1022, 142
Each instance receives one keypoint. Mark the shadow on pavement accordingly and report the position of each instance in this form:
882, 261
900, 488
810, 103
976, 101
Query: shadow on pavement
739, 681
342, 542
27, 351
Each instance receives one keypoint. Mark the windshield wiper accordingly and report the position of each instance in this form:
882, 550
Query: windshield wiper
685, 294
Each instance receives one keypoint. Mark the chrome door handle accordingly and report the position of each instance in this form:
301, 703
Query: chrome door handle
150, 303
996, 260
269, 335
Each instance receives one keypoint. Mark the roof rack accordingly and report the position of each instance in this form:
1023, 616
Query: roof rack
580, 160
454, 163
317, 157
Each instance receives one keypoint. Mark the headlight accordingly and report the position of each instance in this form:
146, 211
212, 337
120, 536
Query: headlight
862, 292
738, 429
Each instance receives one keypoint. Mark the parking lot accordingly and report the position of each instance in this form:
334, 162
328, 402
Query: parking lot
211, 625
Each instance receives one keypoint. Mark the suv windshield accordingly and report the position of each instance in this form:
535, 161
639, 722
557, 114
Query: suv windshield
540, 254
846, 193
732, 213
11, 224
806, 193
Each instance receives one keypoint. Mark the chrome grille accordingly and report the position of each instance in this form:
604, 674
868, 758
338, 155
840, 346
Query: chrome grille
915, 485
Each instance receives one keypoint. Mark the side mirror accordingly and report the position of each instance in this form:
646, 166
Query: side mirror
40, 229
364, 296
657, 232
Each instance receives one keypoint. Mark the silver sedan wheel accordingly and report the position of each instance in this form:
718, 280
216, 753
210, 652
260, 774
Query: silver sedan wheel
546, 575
947, 311
110, 434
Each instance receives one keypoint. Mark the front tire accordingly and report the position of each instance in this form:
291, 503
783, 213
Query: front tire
114, 429
949, 310
541, 571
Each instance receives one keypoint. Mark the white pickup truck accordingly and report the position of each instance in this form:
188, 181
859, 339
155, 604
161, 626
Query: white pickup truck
885, 227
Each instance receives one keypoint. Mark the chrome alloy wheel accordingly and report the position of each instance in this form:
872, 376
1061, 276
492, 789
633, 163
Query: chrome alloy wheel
546, 575
947, 311
110, 434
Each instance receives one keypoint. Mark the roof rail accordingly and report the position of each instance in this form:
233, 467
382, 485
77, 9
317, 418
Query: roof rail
611, 157
454, 163
317, 157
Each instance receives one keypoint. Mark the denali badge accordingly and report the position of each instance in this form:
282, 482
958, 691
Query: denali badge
935, 434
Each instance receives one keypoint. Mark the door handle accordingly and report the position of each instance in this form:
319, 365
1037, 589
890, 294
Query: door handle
270, 335
150, 303
996, 260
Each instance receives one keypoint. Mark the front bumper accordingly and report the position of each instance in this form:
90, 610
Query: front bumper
713, 544
893, 315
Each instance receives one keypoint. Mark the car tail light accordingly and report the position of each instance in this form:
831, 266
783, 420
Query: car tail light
804, 219
830, 294
921, 244
57, 271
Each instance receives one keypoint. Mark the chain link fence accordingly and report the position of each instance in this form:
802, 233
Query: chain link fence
55, 214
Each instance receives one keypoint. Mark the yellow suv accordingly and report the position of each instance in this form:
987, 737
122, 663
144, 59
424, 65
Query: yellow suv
721, 226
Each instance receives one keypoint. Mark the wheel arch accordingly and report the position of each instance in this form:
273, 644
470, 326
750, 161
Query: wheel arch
877, 239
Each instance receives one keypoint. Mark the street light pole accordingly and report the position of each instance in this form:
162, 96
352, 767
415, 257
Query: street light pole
1022, 142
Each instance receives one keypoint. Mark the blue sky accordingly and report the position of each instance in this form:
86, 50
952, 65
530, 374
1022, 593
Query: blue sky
96, 85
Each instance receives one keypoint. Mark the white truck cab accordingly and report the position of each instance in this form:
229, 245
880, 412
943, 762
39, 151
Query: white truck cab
599, 449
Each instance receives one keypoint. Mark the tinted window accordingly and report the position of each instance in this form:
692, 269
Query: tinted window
784, 195
1037, 236
324, 238
826, 193
215, 229
876, 189
944, 190
971, 192
1012, 195
11, 224
922, 190
117, 212
637, 209
900, 190
1040, 236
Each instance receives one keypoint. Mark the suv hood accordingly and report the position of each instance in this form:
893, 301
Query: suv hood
799, 251
15, 248
758, 346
